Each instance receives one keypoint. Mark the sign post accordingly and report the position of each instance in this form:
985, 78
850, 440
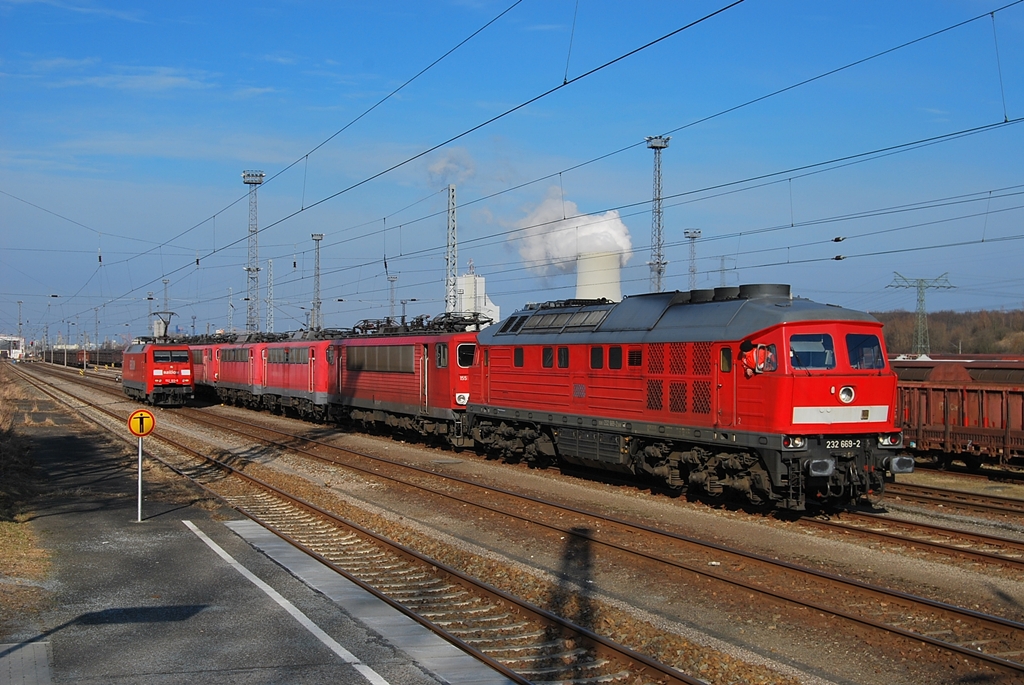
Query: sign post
141, 423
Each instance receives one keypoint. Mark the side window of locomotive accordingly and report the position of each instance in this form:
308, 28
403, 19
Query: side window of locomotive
197, 356
597, 357
330, 356
865, 351
635, 358
771, 359
465, 354
441, 355
615, 357
548, 357
517, 356
812, 351
725, 360
563, 357
162, 356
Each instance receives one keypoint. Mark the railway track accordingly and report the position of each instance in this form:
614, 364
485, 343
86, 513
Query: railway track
522, 642
956, 500
975, 547
994, 642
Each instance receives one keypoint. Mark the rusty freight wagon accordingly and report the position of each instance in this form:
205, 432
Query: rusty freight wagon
960, 408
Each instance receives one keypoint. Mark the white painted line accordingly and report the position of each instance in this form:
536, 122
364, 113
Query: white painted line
346, 656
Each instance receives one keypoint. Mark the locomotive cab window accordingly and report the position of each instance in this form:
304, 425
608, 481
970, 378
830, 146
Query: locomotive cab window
465, 354
865, 351
725, 360
615, 357
441, 355
812, 351
597, 357
517, 357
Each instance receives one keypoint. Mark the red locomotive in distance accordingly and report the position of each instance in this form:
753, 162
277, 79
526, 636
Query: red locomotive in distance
747, 392
157, 373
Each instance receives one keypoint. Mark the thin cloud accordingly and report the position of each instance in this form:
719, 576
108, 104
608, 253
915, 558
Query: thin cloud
142, 79
63, 64
245, 93
133, 17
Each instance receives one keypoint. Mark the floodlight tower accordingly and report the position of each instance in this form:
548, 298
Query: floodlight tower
270, 296
451, 256
693, 235
922, 345
657, 263
252, 319
391, 288
317, 322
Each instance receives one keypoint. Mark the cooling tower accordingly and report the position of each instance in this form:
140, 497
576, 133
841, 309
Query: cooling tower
597, 276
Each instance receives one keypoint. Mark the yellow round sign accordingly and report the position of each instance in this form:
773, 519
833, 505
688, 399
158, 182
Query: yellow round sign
141, 423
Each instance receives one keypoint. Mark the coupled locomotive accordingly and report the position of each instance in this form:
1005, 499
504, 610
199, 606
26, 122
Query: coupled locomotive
745, 392
157, 373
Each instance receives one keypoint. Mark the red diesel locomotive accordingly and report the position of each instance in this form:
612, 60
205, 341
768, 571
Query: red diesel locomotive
157, 373
745, 392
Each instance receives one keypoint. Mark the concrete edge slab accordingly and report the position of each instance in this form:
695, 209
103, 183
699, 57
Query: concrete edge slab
422, 646
26, 663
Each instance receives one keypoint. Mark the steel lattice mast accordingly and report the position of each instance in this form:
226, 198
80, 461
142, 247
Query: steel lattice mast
922, 345
657, 263
693, 235
451, 256
270, 296
316, 323
252, 318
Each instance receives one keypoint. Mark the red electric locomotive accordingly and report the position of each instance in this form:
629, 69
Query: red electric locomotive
238, 375
418, 382
412, 377
157, 373
746, 392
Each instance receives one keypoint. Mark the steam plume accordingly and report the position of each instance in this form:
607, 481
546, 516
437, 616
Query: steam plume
550, 244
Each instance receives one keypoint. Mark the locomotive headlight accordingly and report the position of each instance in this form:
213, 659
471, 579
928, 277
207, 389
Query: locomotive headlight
793, 442
821, 468
462, 398
846, 394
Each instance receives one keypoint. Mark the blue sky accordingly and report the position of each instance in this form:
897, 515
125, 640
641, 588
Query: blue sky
124, 129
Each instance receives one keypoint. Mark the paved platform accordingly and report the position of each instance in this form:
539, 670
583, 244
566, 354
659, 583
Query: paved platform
186, 595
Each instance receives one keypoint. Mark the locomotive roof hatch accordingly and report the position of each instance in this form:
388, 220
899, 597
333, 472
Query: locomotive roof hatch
704, 315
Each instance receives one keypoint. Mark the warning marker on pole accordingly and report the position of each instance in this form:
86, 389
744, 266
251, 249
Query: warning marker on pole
141, 423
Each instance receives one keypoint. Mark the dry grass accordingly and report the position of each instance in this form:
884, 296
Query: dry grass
23, 563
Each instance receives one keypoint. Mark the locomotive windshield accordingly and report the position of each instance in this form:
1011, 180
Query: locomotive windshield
812, 351
865, 351
465, 355
167, 356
